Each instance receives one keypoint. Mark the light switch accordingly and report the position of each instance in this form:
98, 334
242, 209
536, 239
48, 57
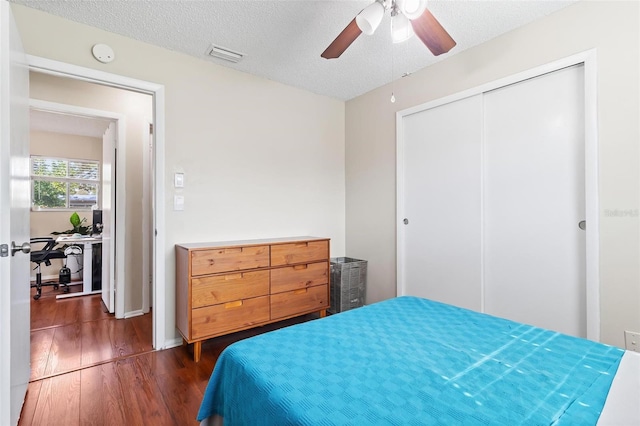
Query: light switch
178, 180
178, 202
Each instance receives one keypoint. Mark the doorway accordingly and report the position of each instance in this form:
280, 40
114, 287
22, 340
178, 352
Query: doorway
106, 80
122, 177
70, 137
80, 134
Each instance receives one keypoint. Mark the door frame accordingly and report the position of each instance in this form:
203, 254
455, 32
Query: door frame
118, 252
147, 200
588, 60
62, 69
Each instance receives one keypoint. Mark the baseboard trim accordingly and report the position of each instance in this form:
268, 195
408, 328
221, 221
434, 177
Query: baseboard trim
50, 278
132, 314
173, 343
45, 278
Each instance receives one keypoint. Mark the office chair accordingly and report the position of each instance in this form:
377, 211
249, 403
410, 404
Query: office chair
45, 255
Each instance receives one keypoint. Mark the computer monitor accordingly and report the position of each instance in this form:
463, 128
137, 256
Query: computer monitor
97, 222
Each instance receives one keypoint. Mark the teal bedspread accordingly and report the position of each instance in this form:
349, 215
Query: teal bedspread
411, 361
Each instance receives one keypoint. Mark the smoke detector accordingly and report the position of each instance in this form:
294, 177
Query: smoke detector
102, 53
224, 53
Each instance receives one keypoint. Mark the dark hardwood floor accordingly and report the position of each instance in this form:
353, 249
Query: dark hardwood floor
90, 369
69, 334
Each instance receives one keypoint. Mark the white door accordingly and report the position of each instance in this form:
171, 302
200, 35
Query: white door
493, 190
534, 198
108, 218
441, 250
14, 220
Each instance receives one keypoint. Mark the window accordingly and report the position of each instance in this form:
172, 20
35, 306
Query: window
61, 183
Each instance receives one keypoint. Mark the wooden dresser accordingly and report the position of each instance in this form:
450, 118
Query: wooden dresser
230, 286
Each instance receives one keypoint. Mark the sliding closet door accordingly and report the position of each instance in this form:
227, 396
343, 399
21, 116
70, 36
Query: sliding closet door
534, 200
439, 187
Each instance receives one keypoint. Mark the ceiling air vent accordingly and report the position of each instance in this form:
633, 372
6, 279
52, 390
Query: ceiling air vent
224, 53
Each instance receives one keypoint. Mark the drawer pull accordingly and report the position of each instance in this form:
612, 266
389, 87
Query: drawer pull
235, 304
231, 250
233, 277
302, 244
301, 291
299, 267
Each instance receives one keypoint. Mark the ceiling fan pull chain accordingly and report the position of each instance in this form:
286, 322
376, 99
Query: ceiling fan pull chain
393, 81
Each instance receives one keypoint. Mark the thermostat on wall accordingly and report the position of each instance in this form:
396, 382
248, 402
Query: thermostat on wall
103, 53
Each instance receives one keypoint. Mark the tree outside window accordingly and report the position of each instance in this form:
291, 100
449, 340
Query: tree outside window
60, 183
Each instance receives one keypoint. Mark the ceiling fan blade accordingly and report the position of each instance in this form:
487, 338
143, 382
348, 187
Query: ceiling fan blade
343, 41
432, 34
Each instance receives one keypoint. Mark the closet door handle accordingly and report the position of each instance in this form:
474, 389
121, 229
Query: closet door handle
582, 225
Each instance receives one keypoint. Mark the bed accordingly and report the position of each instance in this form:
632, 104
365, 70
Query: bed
410, 361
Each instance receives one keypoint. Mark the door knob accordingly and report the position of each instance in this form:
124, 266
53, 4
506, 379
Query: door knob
582, 225
25, 248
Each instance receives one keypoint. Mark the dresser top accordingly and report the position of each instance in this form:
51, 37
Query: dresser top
266, 241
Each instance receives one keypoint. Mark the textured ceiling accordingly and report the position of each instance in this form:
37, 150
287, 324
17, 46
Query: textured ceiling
283, 39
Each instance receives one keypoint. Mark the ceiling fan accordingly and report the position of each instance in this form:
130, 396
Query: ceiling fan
407, 17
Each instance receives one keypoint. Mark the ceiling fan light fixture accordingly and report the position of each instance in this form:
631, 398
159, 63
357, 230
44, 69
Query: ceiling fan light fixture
370, 17
422, 23
412, 9
401, 29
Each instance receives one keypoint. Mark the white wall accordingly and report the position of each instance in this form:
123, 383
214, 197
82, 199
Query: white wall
261, 159
613, 29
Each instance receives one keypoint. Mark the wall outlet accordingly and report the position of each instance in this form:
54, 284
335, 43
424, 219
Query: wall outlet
632, 341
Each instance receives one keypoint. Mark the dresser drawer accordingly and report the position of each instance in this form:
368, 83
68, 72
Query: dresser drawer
214, 261
304, 252
299, 276
212, 290
297, 302
225, 317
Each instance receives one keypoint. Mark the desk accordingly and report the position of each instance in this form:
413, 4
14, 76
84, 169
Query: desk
87, 243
